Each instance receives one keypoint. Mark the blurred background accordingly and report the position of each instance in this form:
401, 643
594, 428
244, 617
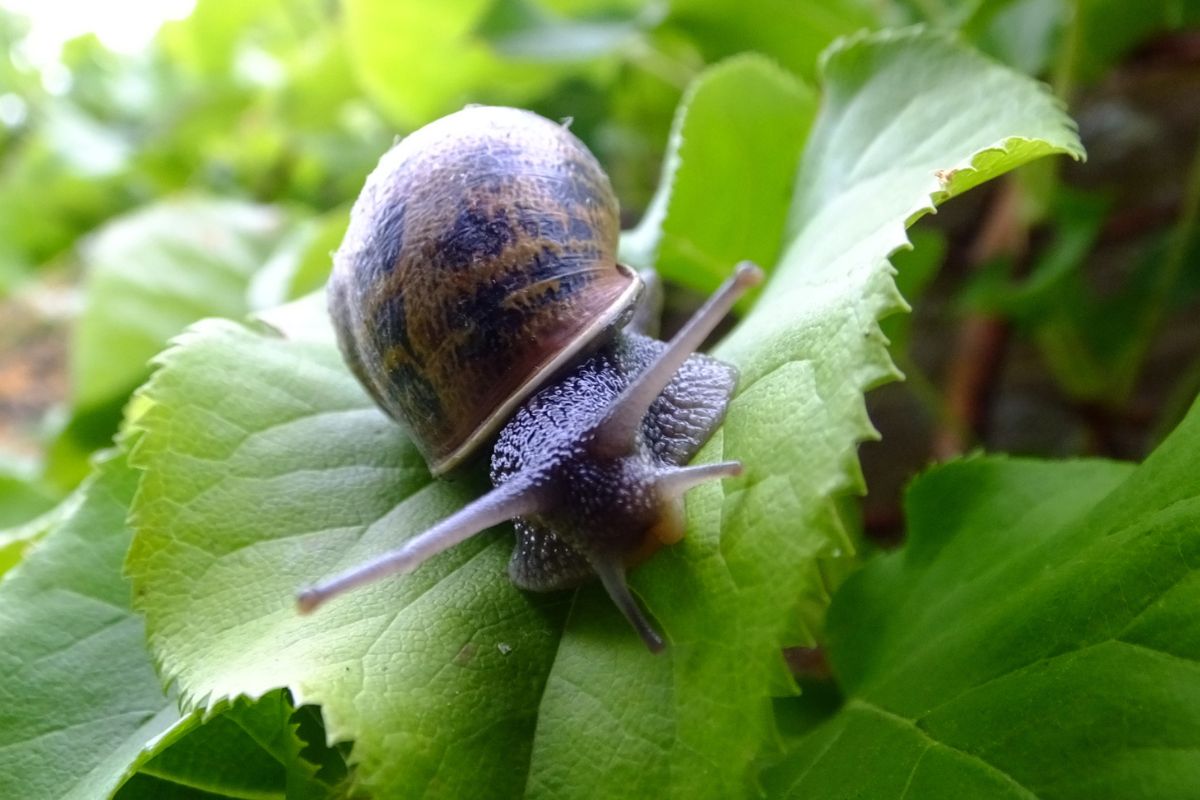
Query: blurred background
167, 160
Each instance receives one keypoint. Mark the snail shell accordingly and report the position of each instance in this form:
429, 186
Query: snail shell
480, 260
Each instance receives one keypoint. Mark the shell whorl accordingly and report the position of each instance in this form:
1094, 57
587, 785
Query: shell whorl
480, 259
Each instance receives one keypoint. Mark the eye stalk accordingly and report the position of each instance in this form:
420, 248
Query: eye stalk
499, 505
617, 432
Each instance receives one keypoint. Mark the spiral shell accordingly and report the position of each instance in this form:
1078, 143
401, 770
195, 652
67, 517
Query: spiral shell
480, 260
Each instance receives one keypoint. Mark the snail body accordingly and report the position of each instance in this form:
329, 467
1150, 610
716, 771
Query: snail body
478, 299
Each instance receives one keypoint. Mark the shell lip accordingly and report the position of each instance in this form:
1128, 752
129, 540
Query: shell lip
612, 318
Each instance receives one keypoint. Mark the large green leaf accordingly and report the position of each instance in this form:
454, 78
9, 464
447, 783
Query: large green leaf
78, 694
265, 467
1036, 637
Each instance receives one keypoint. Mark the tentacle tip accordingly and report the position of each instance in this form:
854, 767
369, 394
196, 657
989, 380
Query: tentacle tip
653, 639
309, 600
748, 274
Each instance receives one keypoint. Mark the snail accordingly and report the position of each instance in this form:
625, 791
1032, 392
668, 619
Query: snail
477, 297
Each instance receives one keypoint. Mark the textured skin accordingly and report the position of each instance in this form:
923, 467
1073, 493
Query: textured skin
481, 246
602, 510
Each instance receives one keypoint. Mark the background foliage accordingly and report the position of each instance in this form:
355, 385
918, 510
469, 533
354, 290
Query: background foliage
180, 445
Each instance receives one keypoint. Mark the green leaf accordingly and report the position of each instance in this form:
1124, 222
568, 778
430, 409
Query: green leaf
78, 694
45, 203
1036, 637
16, 540
248, 750
302, 262
22, 497
1025, 34
739, 131
1030, 34
266, 467
152, 273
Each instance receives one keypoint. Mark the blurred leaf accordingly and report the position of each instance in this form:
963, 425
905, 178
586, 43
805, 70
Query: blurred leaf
524, 30
1036, 637
302, 320
76, 436
152, 273
18, 538
594, 7
741, 127
301, 263
45, 204
78, 695
22, 497
265, 466
437, 64
1053, 281
1025, 34
260, 98
207, 41
792, 32
1094, 340
1110, 29
1031, 35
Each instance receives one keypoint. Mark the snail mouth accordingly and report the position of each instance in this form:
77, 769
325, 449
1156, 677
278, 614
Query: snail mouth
667, 530
602, 325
